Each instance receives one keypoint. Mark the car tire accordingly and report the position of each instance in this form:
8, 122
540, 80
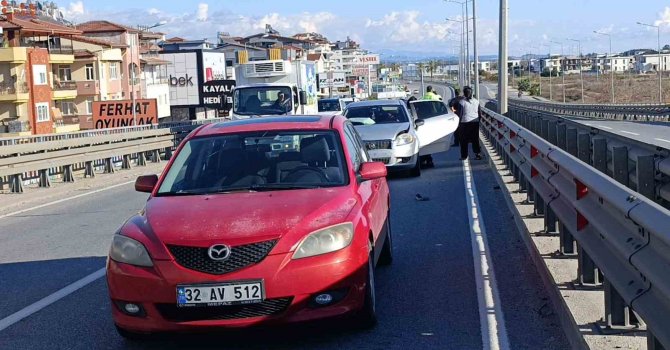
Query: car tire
130, 335
416, 169
386, 257
366, 318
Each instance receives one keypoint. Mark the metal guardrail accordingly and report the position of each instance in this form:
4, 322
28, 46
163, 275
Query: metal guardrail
60, 156
633, 112
639, 166
624, 235
9, 141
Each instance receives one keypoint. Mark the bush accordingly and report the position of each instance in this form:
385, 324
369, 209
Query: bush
535, 89
523, 84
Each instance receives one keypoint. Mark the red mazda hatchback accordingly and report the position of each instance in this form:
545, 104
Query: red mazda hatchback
264, 220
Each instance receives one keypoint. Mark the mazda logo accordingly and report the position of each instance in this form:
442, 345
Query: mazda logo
219, 252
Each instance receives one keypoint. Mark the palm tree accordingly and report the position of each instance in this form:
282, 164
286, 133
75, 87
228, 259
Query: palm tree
432, 66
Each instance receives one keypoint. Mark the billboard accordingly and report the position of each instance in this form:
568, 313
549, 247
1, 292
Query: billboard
213, 66
366, 59
216, 92
183, 75
332, 79
119, 113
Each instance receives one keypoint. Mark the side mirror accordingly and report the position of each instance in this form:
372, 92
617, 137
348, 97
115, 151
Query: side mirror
419, 122
146, 183
303, 97
372, 170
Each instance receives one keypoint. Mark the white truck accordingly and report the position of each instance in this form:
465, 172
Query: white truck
274, 87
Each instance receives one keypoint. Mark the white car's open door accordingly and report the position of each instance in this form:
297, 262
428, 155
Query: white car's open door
437, 133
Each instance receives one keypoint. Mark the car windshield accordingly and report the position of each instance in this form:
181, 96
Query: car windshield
429, 109
370, 115
262, 101
329, 106
258, 161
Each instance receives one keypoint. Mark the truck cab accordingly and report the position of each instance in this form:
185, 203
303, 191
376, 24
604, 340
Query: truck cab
266, 99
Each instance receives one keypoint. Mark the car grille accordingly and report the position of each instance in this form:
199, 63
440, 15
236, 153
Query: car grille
196, 258
383, 160
378, 144
267, 307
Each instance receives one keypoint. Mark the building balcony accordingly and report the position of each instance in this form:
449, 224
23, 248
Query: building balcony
13, 54
64, 90
88, 87
14, 92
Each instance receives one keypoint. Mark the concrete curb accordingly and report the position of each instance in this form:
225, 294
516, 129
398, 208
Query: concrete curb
572, 331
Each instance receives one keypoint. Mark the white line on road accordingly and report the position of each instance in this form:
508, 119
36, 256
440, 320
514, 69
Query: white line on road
491, 319
629, 133
664, 140
65, 199
604, 127
50, 299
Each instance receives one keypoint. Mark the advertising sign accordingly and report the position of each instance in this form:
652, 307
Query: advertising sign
332, 79
119, 113
361, 72
214, 66
215, 93
366, 59
183, 79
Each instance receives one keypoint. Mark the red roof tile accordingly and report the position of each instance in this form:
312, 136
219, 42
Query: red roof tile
97, 41
104, 27
36, 26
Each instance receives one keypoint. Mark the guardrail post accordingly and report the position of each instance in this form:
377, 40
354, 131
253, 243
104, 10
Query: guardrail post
68, 173
550, 221
89, 171
155, 156
537, 128
538, 208
544, 131
566, 241
168, 153
571, 141
2, 183
560, 135
530, 194
584, 148
652, 342
600, 154
617, 313
126, 162
141, 159
646, 173
589, 274
552, 135
44, 180
109, 166
620, 165
16, 183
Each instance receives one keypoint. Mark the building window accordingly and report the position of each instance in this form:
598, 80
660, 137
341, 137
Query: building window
42, 111
40, 73
64, 73
113, 71
89, 107
68, 108
90, 71
102, 71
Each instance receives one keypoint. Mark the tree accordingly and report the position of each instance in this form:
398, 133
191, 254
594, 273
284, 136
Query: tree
523, 84
432, 67
666, 47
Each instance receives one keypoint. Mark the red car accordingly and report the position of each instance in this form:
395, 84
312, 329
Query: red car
257, 221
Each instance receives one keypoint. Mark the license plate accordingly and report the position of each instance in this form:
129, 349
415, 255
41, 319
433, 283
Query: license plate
220, 294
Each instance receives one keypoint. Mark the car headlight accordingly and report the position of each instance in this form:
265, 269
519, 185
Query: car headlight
129, 251
404, 139
326, 240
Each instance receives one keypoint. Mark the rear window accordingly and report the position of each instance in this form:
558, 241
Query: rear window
329, 106
371, 115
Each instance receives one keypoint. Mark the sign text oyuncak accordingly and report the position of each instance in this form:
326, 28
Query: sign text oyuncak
115, 114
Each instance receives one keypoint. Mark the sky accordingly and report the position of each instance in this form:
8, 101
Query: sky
402, 26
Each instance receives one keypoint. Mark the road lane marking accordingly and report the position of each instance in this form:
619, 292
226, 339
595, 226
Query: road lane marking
491, 318
604, 127
50, 299
664, 140
65, 199
629, 133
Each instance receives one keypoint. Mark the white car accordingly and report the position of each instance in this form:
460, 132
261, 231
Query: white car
333, 105
393, 136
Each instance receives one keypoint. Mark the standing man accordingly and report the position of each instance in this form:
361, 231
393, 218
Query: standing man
469, 114
455, 105
431, 95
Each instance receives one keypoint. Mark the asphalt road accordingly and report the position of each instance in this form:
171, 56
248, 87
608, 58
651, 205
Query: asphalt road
426, 300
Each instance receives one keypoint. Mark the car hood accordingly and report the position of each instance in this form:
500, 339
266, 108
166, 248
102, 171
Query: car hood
243, 218
381, 131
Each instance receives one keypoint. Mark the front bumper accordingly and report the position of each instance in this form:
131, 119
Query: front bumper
396, 158
290, 286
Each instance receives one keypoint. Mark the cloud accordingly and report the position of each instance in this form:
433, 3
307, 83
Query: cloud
664, 18
74, 9
203, 10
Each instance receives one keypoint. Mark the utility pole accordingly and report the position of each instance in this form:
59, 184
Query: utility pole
474, 43
581, 77
502, 60
611, 62
467, 43
660, 75
562, 67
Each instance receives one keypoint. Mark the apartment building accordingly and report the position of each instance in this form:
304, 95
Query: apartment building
620, 64
33, 77
154, 72
649, 63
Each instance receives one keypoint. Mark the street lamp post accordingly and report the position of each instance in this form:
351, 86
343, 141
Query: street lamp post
660, 75
611, 62
562, 67
581, 71
133, 48
502, 59
464, 60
